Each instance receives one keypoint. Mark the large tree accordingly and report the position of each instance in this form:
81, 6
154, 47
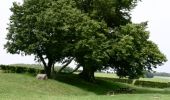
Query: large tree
49, 29
127, 48
95, 33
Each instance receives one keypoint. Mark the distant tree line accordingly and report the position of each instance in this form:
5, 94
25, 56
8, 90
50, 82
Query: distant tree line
164, 74
152, 74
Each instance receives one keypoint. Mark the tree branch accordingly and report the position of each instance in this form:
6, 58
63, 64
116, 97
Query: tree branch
42, 59
69, 61
77, 67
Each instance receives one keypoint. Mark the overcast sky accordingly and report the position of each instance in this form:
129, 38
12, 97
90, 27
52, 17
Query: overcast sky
156, 12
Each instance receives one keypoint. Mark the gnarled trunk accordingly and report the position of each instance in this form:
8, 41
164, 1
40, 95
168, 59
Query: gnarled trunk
48, 71
47, 66
87, 74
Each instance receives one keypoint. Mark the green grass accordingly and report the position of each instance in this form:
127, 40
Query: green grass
70, 87
109, 75
36, 66
92, 97
155, 79
40, 66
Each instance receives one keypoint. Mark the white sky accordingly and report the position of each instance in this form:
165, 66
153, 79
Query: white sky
154, 11
157, 13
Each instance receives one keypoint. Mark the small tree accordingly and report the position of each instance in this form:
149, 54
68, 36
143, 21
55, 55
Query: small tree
148, 74
133, 52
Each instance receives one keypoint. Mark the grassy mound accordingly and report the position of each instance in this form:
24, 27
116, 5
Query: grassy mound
68, 87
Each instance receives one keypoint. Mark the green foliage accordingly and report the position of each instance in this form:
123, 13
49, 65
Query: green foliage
25, 87
20, 69
51, 30
97, 33
127, 48
30, 69
144, 82
113, 12
36, 66
152, 84
128, 81
67, 70
163, 74
132, 52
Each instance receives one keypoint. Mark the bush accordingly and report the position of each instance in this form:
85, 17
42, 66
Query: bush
151, 84
68, 69
65, 70
19, 69
129, 81
28, 69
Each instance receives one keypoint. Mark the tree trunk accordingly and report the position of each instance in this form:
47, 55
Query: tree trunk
53, 69
47, 67
48, 71
87, 74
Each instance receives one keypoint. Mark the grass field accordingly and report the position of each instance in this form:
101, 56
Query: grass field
109, 75
70, 87
155, 79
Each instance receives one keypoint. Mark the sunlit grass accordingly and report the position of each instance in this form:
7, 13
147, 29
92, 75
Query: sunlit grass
70, 87
155, 79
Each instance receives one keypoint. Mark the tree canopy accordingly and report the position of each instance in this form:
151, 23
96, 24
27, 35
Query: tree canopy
96, 33
133, 52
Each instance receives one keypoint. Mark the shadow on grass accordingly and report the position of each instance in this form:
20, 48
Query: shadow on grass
102, 86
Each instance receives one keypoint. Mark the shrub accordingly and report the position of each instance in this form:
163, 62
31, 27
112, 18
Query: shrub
129, 81
31, 70
67, 69
19, 69
151, 84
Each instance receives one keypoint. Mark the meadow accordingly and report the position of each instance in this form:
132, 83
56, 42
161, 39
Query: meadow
69, 87
155, 79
